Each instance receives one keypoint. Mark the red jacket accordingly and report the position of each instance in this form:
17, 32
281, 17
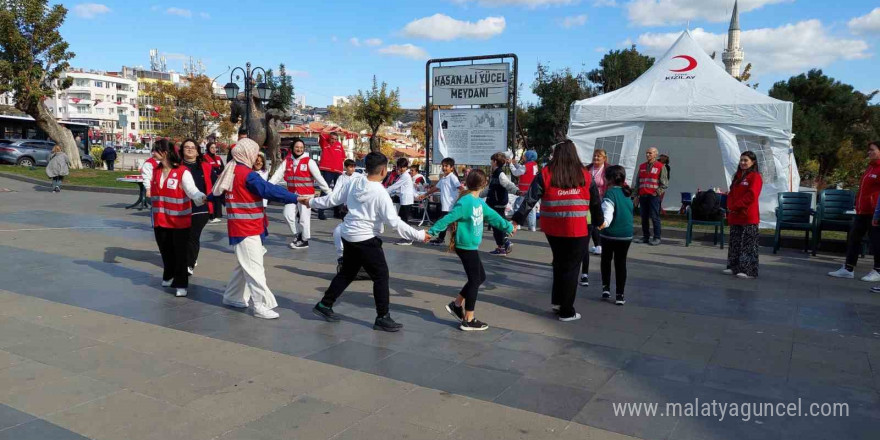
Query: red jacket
869, 189
742, 200
332, 155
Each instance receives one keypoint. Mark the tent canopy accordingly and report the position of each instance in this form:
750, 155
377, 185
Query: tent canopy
685, 84
690, 108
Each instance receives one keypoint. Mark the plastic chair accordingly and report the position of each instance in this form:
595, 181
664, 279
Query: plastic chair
793, 214
718, 224
831, 213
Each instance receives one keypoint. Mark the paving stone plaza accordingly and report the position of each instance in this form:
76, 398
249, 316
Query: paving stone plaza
91, 347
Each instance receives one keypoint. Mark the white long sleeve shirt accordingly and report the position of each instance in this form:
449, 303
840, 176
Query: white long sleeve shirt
369, 207
278, 177
404, 188
449, 186
147, 174
345, 178
189, 187
518, 169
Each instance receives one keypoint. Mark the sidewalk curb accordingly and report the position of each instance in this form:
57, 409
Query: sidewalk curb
97, 189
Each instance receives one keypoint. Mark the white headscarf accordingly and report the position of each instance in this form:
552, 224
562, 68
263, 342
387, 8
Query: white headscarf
245, 152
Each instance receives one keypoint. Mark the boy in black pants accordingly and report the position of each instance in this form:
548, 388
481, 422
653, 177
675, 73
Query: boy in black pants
369, 206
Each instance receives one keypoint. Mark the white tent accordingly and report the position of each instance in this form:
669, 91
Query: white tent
689, 108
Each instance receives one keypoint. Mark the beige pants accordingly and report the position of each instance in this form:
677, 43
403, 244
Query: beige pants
249, 277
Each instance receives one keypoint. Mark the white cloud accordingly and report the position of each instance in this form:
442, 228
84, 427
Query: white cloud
178, 11
334, 39
601, 3
526, 3
205, 15
443, 27
90, 10
373, 42
298, 73
155, 8
866, 24
354, 41
175, 56
790, 48
667, 12
405, 50
574, 21
600, 49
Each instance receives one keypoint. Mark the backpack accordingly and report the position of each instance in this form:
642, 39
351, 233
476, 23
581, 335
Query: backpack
706, 206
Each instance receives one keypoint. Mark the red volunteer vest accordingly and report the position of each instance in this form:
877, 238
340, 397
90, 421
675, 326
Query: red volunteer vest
244, 210
564, 211
649, 180
152, 162
171, 207
525, 181
299, 180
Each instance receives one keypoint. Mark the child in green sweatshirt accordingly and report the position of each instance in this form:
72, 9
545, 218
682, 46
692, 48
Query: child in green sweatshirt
466, 219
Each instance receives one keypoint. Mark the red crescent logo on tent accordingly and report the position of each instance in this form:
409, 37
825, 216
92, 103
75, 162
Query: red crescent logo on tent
692, 63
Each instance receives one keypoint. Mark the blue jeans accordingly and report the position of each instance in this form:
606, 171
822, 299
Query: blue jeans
531, 218
649, 207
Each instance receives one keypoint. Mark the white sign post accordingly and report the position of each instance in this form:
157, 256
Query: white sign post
470, 135
471, 84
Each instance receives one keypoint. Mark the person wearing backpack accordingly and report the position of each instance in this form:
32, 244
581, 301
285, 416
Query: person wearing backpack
743, 218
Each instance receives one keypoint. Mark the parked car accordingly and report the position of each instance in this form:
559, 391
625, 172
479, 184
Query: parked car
33, 152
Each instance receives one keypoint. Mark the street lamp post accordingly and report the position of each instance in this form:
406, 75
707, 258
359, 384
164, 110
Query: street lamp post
263, 90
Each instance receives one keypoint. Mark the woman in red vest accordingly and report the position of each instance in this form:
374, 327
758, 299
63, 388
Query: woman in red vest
567, 193
743, 218
212, 156
244, 191
866, 201
203, 175
171, 189
526, 173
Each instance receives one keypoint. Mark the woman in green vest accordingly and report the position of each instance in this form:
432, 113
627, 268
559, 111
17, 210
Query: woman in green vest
616, 231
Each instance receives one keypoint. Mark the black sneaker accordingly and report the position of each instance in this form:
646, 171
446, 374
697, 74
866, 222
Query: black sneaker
456, 311
620, 300
436, 242
508, 246
585, 280
300, 244
321, 215
606, 292
473, 326
325, 312
387, 324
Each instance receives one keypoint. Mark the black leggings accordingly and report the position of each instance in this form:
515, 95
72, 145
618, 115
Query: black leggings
585, 265
498, 234
568, 253
476, 275
614, 250
369, 255
195, 235
442, 235
218, 208
861, 225
173, 247
405, 212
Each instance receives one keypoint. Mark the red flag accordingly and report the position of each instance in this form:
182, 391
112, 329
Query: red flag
75, 100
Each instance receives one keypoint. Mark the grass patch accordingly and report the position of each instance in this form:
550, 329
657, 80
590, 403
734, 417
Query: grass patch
86, 177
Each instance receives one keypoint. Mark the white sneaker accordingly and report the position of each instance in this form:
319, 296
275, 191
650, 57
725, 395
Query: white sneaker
189, 270
872, 276
236, 304
533, 228
261, 311
180, 292
841, 273
214, 220
744, 276
727, 271
404, 243
555, 308
592, 249
597, 250
571, 318
585, 279
166, 283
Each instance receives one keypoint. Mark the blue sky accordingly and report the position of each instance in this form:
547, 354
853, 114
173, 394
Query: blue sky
316, 40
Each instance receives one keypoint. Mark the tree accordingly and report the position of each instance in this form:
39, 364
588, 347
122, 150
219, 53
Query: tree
746, 75
376, 107
345, 115
190, 110
388, 150
828, 116
33, 56
547, 122
282, 90
618, 68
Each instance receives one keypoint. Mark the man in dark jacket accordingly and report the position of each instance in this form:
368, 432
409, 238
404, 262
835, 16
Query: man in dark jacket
108, 156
